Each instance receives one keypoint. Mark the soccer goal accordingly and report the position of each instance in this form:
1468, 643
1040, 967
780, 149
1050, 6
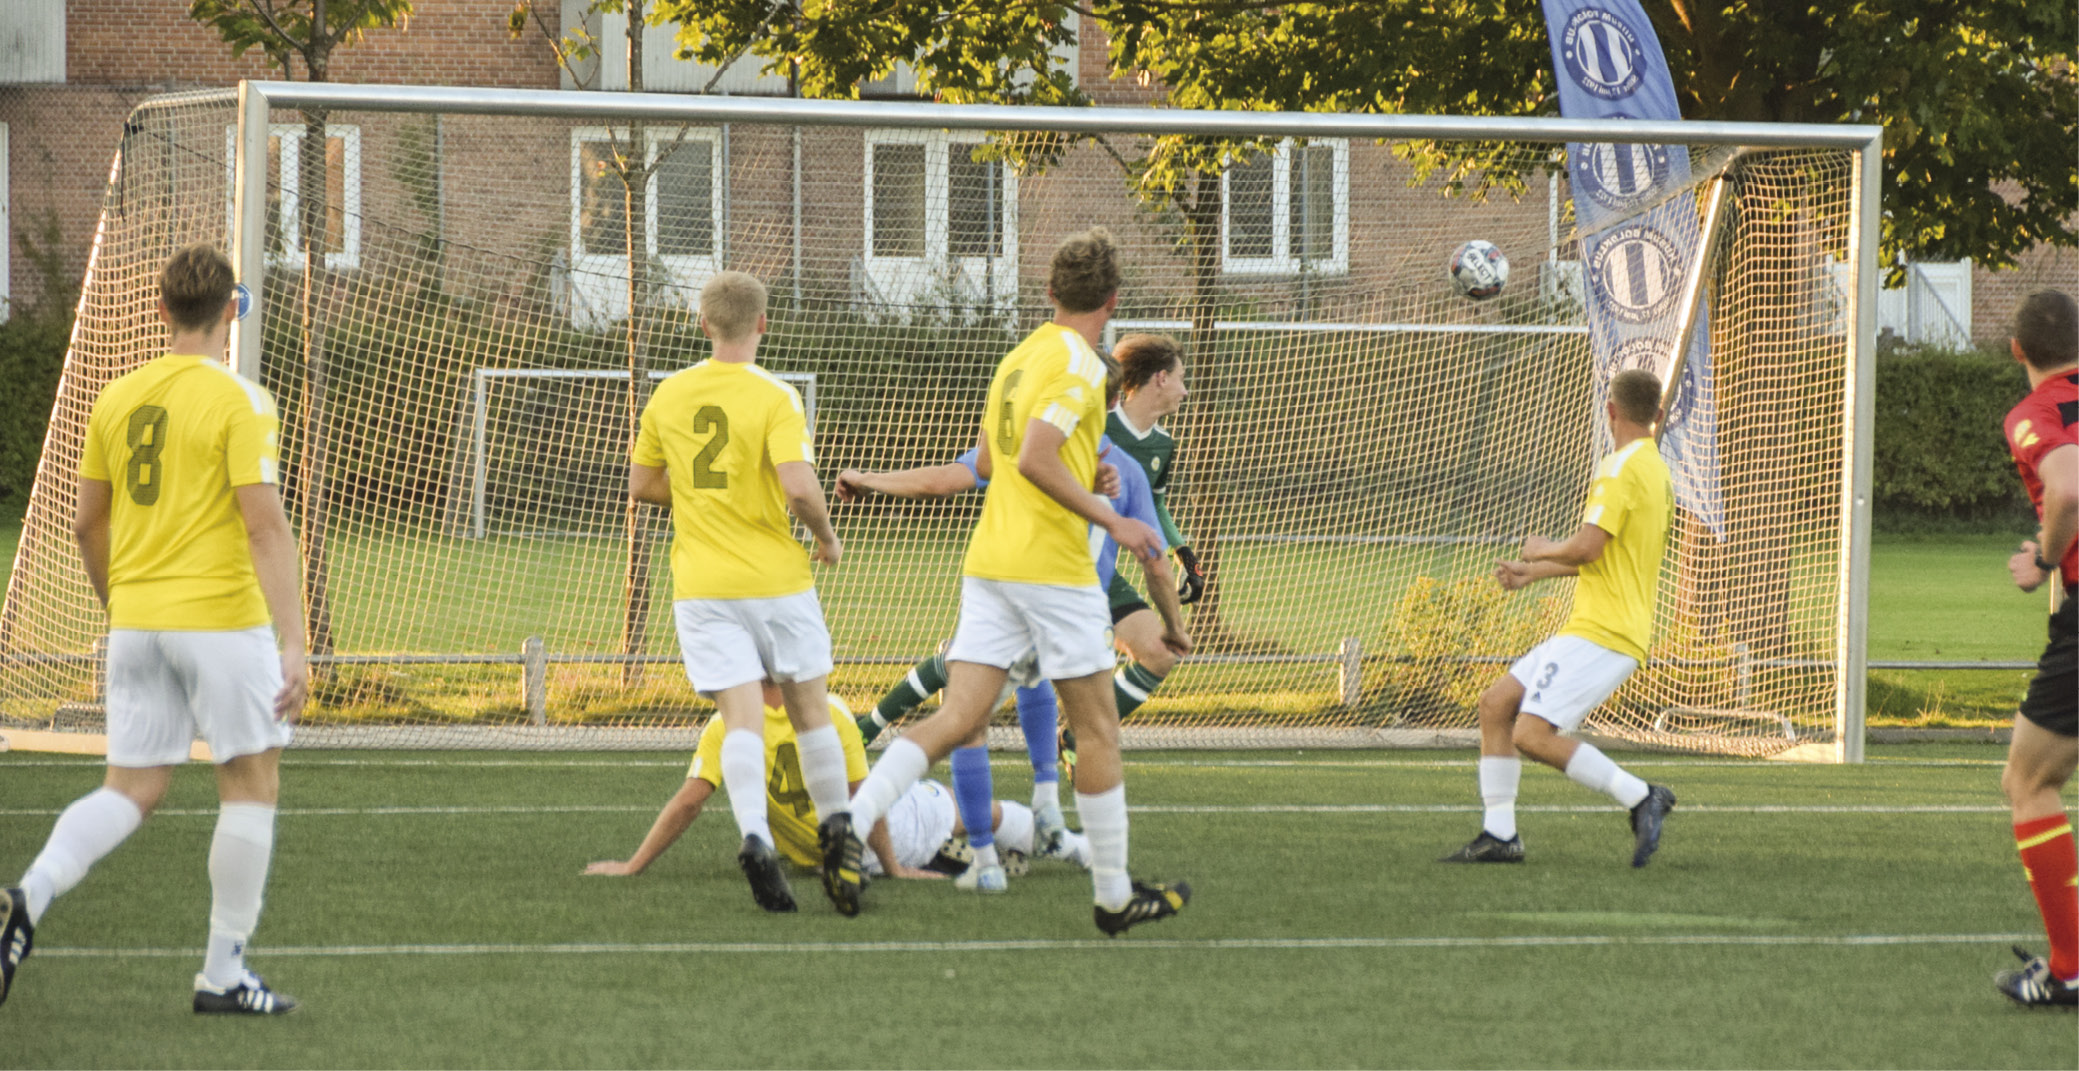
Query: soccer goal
446, 307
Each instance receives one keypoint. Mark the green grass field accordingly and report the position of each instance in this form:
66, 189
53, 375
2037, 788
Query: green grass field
429, 911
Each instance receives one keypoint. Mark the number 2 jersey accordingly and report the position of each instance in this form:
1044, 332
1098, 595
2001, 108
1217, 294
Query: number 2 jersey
720, 429
1025, 536
788, 809
175, 438
2043, 422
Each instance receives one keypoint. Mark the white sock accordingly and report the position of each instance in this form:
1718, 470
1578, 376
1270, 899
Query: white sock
88, 830
1046, 794
743, 774
1593, 769
899, 768
985, 856
1499, 779
823, 767
1015, 831
1104, 822
238, 858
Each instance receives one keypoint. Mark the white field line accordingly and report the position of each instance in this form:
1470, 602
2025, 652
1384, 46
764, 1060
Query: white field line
292, 761
1147, 808
1298, 944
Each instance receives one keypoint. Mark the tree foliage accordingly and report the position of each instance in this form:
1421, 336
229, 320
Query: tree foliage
1977, 98
308, 30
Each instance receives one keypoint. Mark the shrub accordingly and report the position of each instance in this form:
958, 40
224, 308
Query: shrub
32, 354
1938, 451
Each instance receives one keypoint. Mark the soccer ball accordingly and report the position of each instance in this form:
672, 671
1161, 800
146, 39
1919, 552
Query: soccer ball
1479, 270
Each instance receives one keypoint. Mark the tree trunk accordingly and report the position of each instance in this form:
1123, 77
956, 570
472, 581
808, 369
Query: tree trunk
1203, 451
635, 600
312, 212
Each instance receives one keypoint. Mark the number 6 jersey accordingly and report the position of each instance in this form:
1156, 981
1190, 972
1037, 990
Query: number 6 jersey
174, 438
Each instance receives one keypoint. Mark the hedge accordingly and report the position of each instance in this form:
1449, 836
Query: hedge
32, 353
1939, 453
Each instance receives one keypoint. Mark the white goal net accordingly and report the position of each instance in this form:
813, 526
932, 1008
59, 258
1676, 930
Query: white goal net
444, 315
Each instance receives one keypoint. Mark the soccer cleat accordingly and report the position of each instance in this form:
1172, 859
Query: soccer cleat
1646, 819
1065, 748
982, 879
1075, 848
1016, 864
1049, 832
249, 997
1488, 848
2033, 986
17, 936
1151, 901
762, 867
843, 862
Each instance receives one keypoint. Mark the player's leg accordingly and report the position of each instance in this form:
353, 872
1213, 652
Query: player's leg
723, 663
2040, 762
794, 645
1140, 633
1570, 678
1121, 902
1500, 774
974, 790
1039, 718
924, 680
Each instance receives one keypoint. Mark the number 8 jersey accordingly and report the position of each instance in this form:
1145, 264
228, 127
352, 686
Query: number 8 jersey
719, 429
174, 438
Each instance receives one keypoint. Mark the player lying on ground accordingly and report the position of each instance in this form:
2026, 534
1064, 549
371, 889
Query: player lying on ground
2045, 748
1030, 589
1617, 554
725, 444
914, 834
194, 561
1036, 705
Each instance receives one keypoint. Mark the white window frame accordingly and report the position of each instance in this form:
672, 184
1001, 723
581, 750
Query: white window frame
903, 278
680, 267
290, 182
1281, 261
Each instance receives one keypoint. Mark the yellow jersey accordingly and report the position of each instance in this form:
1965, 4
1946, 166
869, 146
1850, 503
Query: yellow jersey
1632, 499
175, 437
720, 430
787, 806
1024, 535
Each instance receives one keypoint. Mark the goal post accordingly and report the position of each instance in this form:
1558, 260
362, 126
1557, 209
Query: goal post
1359, 444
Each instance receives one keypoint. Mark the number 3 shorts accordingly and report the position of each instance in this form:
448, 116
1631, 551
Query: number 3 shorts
1566, 677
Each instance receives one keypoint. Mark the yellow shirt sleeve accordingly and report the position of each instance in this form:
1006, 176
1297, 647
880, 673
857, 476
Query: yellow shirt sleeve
93, 463
1065, 399
786, 434
649, 445
707, 759
1611, 500
251, 445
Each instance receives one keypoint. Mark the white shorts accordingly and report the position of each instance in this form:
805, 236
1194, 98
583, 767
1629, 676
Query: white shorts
727, 642
919, 822
166, 688
1567, 677
1068, 629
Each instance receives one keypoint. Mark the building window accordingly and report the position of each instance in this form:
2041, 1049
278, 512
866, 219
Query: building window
342, 221
942, 225
1288, 210
682, 221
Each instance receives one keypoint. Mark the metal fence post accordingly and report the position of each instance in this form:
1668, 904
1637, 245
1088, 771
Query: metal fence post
1352, 670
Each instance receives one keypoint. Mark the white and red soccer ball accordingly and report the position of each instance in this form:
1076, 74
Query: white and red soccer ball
1479, 270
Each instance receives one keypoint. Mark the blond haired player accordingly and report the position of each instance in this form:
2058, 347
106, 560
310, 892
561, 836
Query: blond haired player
1617, 554
183, 537
904, 843
726, 445
1030, 587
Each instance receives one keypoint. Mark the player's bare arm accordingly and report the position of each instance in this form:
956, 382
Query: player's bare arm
924, 481
671, 824
882, 844
649, 483
805, 500
2060, 474
1169, 603
1584, 546
90, 529
1039, 460
277, 565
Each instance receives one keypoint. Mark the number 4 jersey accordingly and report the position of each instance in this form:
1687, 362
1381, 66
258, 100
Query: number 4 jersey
788, 809
720, 429
175, 437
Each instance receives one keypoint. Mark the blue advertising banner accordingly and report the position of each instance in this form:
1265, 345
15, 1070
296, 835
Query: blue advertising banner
1635, 252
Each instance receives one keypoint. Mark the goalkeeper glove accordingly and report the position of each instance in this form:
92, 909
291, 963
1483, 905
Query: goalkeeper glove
1191, 583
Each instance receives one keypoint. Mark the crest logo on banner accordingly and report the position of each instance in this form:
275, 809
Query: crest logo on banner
1637, 250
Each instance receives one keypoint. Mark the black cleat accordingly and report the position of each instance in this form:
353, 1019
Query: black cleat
1645, 822
844, 866
17, 936
2033, 986
249, 997
762, 867
1152, 900
1488, 848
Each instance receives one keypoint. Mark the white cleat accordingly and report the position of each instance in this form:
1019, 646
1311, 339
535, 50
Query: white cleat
1075, 848
1049, 832
983, 879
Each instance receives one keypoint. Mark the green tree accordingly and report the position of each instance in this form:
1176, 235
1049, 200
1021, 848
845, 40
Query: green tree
309, 32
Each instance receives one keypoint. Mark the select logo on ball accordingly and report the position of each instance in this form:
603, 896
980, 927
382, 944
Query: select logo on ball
1479, 270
